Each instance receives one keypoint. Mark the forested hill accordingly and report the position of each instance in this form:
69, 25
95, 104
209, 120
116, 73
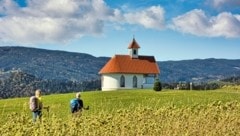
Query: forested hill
48, 64
199, 70
22, 70
60, 65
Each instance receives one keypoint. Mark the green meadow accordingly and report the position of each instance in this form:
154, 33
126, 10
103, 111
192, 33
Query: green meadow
129, 112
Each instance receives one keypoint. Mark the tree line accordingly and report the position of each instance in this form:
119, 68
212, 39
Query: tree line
235, 80
192, 86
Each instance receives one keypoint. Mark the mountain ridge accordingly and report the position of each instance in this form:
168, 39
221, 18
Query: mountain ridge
199, 70
23, 70
50, 64
64, 65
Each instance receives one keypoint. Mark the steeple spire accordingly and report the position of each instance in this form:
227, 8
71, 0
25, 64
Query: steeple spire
133, 44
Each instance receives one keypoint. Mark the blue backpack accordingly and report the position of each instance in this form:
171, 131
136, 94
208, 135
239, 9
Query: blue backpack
74, 103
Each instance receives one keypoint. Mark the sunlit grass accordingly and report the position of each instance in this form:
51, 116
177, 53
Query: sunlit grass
130, 112
124, 99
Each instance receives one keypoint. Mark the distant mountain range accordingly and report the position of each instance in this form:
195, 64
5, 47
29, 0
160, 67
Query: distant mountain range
199, 70
61, 65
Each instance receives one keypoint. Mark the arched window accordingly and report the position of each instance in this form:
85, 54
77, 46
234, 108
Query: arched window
134, 82
122, 81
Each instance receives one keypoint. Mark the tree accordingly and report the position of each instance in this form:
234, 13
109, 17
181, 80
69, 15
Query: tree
157, 85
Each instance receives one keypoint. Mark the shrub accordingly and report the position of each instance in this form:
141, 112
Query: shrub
157, 85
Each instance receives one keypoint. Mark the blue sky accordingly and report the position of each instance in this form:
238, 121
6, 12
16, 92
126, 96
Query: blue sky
169, 30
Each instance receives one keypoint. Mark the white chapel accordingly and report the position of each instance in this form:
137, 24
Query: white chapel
129, 71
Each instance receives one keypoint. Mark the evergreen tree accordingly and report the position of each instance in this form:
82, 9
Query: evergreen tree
157, 85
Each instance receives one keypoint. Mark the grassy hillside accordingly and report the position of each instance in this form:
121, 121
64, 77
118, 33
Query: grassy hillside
136, 112
125, 99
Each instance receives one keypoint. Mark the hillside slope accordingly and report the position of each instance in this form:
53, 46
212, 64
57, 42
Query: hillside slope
199, 70
61, 65
22, 70
48, 64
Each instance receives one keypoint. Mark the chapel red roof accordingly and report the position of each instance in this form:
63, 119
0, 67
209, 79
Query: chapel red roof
133, 45
126, 64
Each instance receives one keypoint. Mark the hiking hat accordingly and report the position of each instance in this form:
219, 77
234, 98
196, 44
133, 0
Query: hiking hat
38, 92
78, 95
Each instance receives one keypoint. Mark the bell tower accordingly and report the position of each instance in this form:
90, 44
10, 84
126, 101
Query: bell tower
133, 49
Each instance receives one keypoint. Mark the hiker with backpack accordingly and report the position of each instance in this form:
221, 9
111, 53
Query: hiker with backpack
36, 105
76, 104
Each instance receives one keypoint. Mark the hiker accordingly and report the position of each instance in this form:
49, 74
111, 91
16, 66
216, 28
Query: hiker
76, 104
36, 105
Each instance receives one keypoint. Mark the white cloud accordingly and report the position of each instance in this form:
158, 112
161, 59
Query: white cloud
196, 22
218, 3
152, 17
63, 20
221, 4
51, 20
8, 7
